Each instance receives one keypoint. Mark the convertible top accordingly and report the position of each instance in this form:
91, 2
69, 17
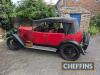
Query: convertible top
55, 19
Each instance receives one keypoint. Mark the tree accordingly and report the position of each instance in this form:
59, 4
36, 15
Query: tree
95, 20
6, 14
34, 9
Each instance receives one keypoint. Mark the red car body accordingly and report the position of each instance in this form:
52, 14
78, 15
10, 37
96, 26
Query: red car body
55, 34
47, 38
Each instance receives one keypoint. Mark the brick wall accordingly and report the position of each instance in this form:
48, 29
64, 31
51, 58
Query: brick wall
85, 7
84, 23
91, 5
73, 3
85, 16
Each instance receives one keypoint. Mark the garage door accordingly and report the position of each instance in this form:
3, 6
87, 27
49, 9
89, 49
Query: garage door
77, 16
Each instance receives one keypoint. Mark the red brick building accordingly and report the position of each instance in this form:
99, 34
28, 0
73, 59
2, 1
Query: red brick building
91, 5
80, 9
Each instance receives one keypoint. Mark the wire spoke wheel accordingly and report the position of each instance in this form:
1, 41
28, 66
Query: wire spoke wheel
69, 52
12, 44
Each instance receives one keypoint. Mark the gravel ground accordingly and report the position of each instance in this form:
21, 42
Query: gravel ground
37, 62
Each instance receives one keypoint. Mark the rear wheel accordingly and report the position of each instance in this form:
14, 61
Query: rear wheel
69, 52
13, 44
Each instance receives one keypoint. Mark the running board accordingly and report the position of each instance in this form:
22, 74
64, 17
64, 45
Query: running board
43, 48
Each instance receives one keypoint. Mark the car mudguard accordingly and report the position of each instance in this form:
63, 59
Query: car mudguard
75, 43
18, 39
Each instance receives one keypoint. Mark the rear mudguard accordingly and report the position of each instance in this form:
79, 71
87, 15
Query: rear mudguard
86, 38
18, 39
76, 44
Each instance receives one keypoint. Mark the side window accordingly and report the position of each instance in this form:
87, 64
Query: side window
41, 27
55, 27
69, 28
51, 27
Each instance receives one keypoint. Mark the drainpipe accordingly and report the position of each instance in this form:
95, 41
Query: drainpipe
57, 8
65, 3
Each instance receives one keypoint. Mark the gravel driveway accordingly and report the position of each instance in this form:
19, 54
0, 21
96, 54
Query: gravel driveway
37, 62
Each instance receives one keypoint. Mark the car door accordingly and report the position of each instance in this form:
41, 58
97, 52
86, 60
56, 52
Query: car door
55, 34
39, 37
54, 39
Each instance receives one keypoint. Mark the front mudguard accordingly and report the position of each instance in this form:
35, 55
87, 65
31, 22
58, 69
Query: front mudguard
10, 32
18, 39
76, 44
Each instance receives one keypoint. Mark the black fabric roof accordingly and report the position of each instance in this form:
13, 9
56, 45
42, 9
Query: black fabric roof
55, 19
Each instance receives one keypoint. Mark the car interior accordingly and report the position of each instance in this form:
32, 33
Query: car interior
50, 27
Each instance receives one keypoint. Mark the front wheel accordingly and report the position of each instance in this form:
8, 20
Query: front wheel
69, 52
12, 44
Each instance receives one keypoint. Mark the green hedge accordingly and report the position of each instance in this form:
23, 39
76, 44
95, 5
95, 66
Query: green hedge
95, 24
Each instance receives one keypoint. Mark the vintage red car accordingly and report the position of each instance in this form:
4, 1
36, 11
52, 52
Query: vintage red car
58, 34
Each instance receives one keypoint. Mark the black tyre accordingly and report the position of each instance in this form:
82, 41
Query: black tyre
12, 44
69, 52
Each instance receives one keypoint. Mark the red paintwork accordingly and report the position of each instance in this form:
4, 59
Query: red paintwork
25, 32
47, 38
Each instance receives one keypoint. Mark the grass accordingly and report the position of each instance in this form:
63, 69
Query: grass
93, 30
